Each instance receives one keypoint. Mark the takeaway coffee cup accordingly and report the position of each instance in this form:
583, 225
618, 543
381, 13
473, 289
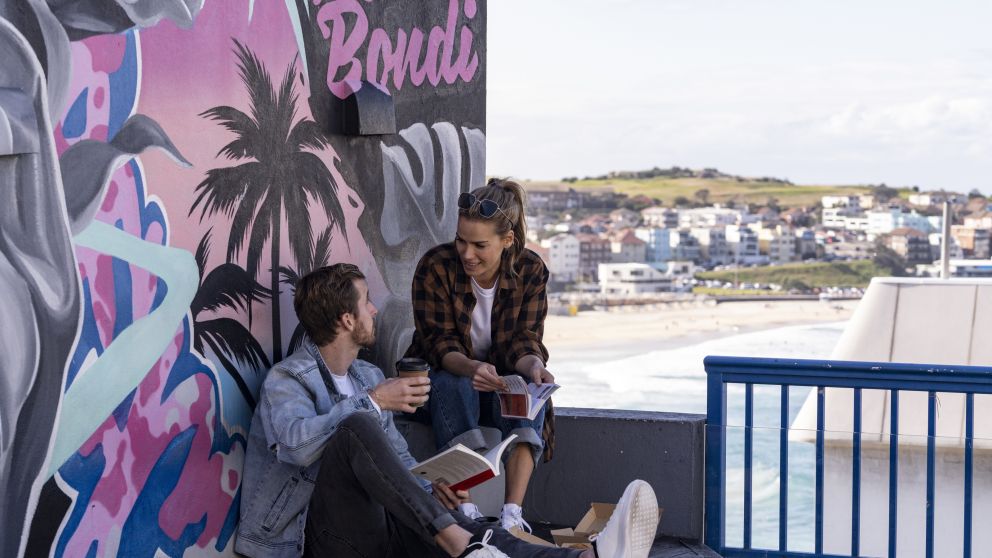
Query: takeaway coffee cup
412, 368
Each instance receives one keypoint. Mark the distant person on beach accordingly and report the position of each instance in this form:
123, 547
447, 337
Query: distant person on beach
479, 306
327, 473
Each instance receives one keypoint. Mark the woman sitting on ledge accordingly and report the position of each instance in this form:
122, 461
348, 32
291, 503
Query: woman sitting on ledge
479, 307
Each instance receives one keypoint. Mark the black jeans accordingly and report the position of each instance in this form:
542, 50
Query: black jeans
367, 504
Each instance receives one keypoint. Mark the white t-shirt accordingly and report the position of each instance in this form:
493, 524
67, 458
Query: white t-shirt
482, 319
345, 386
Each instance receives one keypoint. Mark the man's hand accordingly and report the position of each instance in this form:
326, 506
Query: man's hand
485, 378
539, 374
448, 497
402, 394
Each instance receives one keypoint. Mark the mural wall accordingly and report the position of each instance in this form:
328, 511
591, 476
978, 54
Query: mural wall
168, 169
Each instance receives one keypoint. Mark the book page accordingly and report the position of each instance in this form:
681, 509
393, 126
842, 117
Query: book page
452, 466
515, 402
494, 455
539, 395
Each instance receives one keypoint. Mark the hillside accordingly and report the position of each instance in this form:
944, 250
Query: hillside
820, 274
721, 189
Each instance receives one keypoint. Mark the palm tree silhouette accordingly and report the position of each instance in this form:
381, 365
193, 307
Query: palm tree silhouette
320, 257
277, 175
227, 286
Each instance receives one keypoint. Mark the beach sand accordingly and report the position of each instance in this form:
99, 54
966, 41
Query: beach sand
682, 324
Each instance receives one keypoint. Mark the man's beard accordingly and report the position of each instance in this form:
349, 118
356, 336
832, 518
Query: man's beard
364, 337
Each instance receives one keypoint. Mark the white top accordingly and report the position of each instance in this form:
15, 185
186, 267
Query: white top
345, 385
482, 319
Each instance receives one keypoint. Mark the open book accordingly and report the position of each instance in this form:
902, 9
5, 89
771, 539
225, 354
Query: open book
523, 400
461, 468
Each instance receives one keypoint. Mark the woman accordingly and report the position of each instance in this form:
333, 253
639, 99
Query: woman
479, 307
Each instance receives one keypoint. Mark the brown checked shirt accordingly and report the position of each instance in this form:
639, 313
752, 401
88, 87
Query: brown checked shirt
442, 309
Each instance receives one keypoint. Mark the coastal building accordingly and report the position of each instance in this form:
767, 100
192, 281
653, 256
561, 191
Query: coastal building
632, 279
832, 202
626, 247
563, 257
684, 246
980, 220
805, 243
931, 199
657, 243
911, 244
974, 242
778, 245
593, 250
936, 241
553, 199
624, 218
885, 221
713, 248
837, 217
664, 217
742, 245
702, 217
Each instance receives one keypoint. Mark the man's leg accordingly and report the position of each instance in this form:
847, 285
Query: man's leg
364, 493
454, 406
510, 545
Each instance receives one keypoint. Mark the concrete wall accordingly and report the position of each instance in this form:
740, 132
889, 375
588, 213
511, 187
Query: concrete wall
166, 169
599, 451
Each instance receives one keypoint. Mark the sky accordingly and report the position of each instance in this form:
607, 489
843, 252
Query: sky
817, 92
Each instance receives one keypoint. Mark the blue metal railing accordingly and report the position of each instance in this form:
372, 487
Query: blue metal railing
891, 377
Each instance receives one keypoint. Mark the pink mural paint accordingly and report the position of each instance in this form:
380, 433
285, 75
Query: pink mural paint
405, 56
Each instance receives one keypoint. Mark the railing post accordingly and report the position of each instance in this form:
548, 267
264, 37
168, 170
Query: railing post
716, 459
783, 473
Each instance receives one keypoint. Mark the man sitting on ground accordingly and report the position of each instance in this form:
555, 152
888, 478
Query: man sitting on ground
327, 473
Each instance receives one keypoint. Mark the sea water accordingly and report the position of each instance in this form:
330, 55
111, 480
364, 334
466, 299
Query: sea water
673, 380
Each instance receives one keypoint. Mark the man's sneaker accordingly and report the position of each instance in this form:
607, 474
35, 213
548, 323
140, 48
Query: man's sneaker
512, 517
471, 511
630, 531
482, 549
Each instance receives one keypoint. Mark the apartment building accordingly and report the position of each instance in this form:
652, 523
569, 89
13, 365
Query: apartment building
664, 217
974, 242
563, 257
657, 243
632, 279
593, 251
712, 245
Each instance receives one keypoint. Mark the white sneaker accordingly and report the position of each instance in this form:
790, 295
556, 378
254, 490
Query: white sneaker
630, 531
470, 510
483, 549
512, 517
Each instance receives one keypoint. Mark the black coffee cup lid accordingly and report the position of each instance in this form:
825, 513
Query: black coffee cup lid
411, 363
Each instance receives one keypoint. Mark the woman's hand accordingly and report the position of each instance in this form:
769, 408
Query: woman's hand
448, 497
485, 378
532, 369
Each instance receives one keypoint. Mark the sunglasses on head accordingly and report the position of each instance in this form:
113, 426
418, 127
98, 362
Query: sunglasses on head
487, 208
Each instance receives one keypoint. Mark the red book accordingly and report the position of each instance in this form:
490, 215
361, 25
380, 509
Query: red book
461, 468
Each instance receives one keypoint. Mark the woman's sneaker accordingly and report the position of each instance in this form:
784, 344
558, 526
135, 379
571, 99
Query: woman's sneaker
512, 517
482, 549
630, 531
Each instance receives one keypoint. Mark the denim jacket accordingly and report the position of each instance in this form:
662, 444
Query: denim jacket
297, 414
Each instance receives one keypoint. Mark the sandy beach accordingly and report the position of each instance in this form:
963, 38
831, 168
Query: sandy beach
687, 323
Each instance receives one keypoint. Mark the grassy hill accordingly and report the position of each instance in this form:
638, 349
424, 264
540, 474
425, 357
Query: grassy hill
817, 274
721, 190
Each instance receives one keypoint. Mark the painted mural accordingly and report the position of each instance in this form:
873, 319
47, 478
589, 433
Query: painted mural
168, 170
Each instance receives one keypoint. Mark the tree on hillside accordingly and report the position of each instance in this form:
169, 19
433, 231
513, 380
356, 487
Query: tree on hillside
682, 201
884, 193
889, 260
277, 175
703, 196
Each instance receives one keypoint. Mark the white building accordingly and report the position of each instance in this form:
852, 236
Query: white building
632, 279
887, 220
626, 247
704, 217
684, 246
742, 244
563, 257
780, 247
657, 243
664, 217
712, 244
830, 202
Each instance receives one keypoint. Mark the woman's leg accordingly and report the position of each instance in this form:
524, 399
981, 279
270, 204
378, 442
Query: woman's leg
522, 456
454, 406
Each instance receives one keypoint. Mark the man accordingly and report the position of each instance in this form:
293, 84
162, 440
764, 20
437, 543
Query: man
326, 471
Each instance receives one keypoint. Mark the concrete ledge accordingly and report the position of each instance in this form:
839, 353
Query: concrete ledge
599, 451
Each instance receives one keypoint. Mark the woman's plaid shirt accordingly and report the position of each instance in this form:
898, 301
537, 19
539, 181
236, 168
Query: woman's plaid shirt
442, 309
